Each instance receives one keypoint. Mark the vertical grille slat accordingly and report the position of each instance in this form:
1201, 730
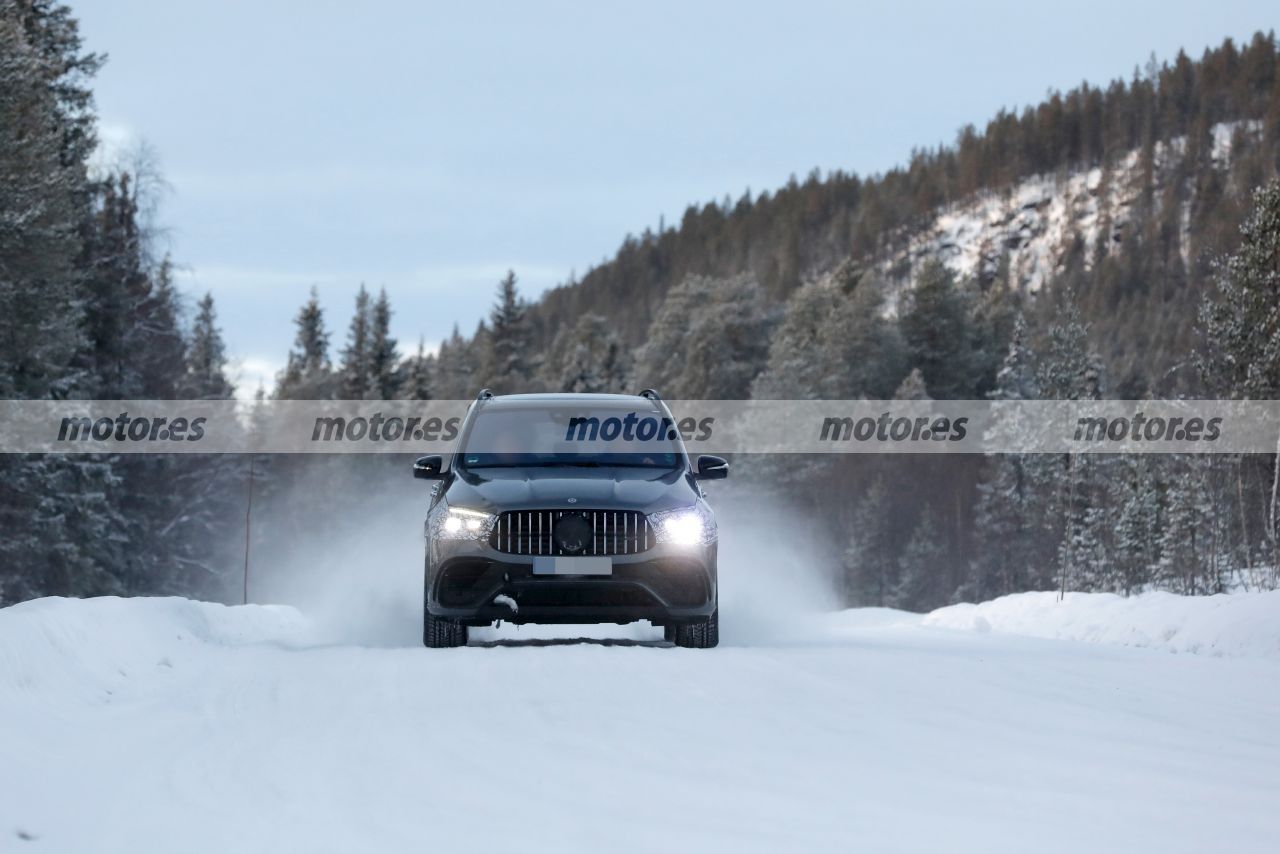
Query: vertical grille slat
532, 532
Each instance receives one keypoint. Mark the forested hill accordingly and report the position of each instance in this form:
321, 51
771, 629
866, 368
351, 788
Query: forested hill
1062, 252
1167, 186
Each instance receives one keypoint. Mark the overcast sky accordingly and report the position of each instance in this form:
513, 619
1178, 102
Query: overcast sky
426, 148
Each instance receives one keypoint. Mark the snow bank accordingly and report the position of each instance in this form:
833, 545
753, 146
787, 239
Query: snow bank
79, 645
1236, 624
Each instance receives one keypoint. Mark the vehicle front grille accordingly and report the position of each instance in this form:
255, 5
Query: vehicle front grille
530, 532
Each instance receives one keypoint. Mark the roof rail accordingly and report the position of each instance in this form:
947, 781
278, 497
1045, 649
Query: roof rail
484, 394
651, 394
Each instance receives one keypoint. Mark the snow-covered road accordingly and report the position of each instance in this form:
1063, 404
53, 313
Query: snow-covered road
166, 725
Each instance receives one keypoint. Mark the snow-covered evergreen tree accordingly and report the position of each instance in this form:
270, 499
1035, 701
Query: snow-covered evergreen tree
1241, 332
588, 357
1242, 325
1069, 369
708, 341
207, 356
356, 369
912, 387
1014, 531
60, 528
1074, 484
834, 341
417, 373
507, 363
308, 373
455, 370
921, 567
1135, 508
384, 377
871, 558
938, 326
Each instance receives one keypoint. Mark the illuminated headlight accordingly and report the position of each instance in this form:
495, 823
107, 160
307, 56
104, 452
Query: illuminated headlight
689, 526
458, 523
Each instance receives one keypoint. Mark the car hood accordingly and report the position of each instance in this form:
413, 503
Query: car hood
539, 488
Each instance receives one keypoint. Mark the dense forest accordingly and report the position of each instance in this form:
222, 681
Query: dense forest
828, 287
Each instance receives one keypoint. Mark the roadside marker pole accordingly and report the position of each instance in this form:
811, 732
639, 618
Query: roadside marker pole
248, 516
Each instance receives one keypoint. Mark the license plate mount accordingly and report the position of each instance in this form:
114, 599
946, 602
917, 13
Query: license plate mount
559, 565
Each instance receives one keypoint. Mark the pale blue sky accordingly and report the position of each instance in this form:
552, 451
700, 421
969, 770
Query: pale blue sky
427, 147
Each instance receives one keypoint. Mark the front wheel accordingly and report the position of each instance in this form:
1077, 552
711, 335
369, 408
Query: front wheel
439, 633
704, 634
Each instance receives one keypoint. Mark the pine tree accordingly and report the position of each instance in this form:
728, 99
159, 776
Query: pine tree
507, 363
913, 387
357, 357
1071, 370
938, 327
798, 366
997, 312
207, 356
1135, 491
417, 383
1241, 328
864, 354
708, 341
158, 342
384, 378
44, 141
118, 289
1015, 376
60, 527
197, 544
308, 373
587, 358
870, 559
1014, 528
1184, 536
454, 373
920, 567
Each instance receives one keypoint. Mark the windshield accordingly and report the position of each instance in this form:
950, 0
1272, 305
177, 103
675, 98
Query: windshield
570, 435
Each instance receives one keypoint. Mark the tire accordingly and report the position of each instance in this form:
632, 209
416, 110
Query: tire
439, 633
701, 635
669, 633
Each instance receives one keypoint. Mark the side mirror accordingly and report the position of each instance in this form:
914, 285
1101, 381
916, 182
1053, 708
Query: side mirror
712, 468
428, 468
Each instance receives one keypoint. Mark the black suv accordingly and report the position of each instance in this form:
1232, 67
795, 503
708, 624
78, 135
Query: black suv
570, 508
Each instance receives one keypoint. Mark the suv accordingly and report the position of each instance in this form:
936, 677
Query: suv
570, 508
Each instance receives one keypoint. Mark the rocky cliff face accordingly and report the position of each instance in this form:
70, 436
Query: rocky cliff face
1036, 222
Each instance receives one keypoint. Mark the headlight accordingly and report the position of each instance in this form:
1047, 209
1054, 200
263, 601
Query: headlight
458, 523
688, 526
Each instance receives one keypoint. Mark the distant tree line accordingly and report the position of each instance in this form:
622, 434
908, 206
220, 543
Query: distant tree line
920, 531
773, 296
1141, 302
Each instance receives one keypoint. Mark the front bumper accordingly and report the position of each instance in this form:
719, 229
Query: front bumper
665, 584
